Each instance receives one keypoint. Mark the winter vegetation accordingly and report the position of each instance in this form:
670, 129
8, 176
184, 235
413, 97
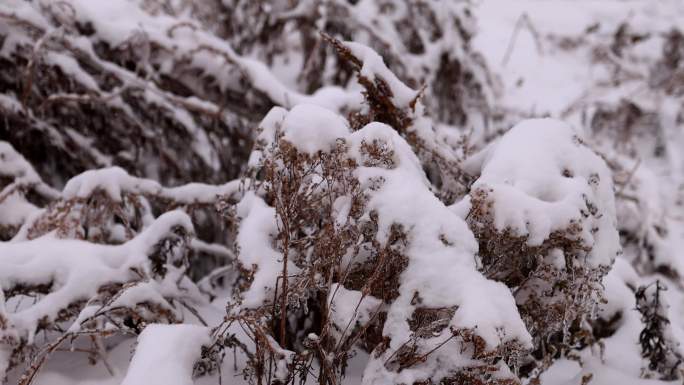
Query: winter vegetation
413, 192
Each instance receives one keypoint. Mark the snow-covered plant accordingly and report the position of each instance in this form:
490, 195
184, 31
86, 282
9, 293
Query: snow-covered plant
21, 189
85, 291
389, 100
662, 355
425, 43
80, 288
186, 81
631, 114
372, 259
543, 211
100, 206
382, 224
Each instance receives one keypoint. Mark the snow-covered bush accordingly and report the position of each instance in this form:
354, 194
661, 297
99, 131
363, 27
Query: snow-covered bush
331, 191
543, 211
83, 288
656, 338
371, 256
630, 111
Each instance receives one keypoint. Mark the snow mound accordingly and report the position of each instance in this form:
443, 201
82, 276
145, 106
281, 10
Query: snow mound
541, 178
311, 128
166, 354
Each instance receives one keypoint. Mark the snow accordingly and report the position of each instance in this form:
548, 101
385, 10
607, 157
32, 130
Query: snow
114, 181
74, 269
541, 177
257, 227
311, 128
165, 355
350, 308
373, 66
200, 192
111, 180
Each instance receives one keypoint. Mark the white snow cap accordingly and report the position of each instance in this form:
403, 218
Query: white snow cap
115, 180
540, 176
166, 355
112, 180
374, 66
311, 128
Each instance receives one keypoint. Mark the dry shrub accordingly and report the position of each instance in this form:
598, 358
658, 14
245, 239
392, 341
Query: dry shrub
668, 72
102, 313
97, 218
557, 300
656, 340
325, 238
306, 191
630, 127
